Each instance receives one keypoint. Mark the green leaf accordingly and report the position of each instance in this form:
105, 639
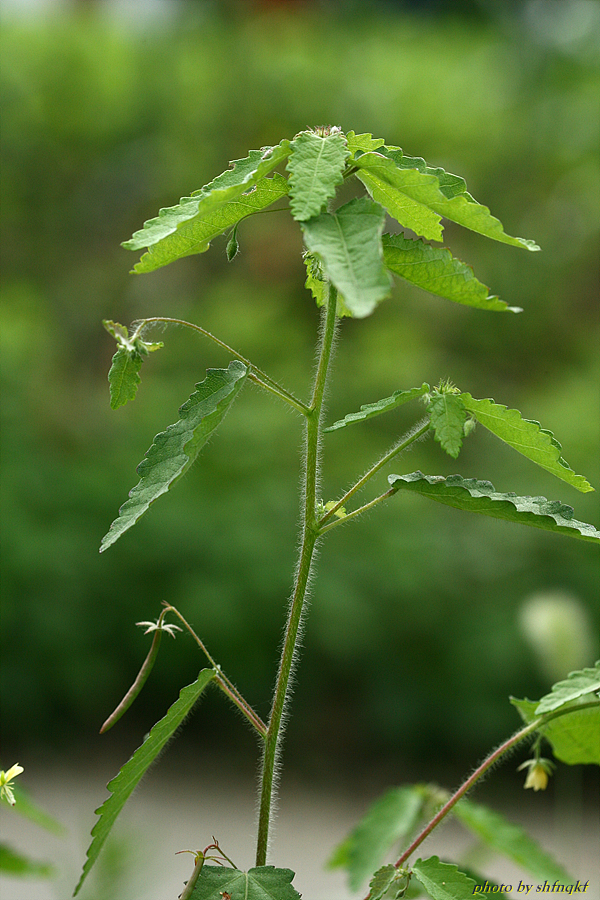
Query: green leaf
510, 840
576, 685
122, 786
402, 193
26, 807
243, 175
388, 882
362, 143
173, 451
261, 883
434, 269
348, 244
316, 166
194, 235
419, 195
14, 865
123, 378
525, 436
443, 881
368, 410
574, 735
392, 818
480, 497
448, 416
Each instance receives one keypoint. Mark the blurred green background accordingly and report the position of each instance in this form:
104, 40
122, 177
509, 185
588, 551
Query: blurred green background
416, 634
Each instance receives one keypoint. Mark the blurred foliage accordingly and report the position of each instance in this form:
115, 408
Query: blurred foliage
414, 635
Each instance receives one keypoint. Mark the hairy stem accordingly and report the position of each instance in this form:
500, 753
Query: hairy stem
254, 373
483, 768
310, 535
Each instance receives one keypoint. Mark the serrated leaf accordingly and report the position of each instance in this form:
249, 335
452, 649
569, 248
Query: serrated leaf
434, 269
392, 818
509, 839
443, 881
573, 736
386, 879
447, 416
436, 192
316, 166
368, 410
348, 244
14, 865
260, 883
122, 786
123, 377
240, 177
526, 437
195, 234
173, 451
480, 497
576, 685
362, 143
398, 191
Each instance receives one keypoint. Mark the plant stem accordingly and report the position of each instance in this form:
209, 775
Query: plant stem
222, 680
402, 444
257, 375
482, 769
310, 534
359, 511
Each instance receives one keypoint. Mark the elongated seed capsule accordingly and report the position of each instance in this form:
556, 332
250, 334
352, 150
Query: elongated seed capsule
137, 685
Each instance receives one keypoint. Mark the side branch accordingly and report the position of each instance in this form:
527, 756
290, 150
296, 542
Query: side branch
254, 373
420, 429
228, 688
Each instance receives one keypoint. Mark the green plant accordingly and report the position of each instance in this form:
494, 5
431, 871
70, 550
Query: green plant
348, 261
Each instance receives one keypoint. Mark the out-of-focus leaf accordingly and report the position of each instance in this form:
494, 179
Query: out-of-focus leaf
509, 839
391, 819
15, 865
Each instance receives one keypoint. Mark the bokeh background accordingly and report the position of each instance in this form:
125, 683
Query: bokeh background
423, 620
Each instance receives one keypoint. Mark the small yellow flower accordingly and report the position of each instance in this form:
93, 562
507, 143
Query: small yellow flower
5, 779
538, 773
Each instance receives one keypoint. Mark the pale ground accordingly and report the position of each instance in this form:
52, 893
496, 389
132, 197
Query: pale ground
163, 818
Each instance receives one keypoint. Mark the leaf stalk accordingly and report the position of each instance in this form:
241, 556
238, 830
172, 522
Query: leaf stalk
222, 681
421, 429
254, 373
